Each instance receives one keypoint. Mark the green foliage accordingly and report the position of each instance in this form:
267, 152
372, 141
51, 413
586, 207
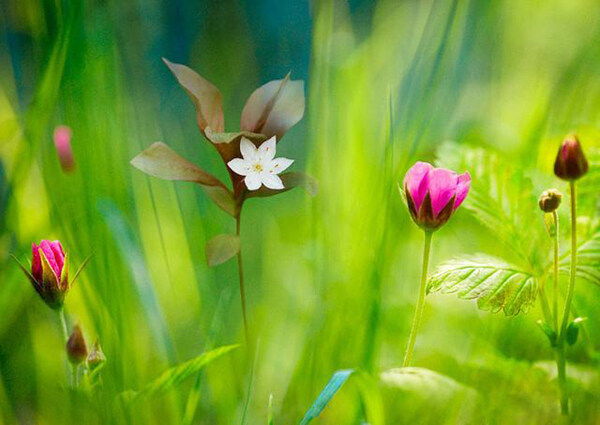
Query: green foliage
573, 330
221, 248
495, 285
172, 377
588, 260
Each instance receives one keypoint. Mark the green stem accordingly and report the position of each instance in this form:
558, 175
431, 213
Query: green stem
555, 306
63, 324
241, 277
560, 355
420, 302
545, 305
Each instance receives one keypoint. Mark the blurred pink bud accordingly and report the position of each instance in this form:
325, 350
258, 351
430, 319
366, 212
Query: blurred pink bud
62, 141
433, 194
50, 271
570, 163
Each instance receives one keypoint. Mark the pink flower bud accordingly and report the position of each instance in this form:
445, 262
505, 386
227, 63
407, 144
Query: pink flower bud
570, 163
433, 194
62, 141
50, 272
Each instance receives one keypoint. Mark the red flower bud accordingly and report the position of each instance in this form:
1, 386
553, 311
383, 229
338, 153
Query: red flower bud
76, 348
50, 272
570, 161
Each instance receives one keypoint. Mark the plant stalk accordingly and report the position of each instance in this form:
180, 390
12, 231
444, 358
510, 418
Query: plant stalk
420, 302
555, 301
63, 324
241, 277
560, 355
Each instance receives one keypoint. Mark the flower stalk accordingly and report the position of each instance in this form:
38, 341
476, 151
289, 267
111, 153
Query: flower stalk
420, 302
238, 221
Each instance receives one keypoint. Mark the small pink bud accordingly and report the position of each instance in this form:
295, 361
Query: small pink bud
62, 141
570, 163
76, 347
50, 272
433, 194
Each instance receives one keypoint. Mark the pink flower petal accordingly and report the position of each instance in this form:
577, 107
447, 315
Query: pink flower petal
36, 262
59, 256
462, 188
62, 141
46, 248
442, 187
416, 181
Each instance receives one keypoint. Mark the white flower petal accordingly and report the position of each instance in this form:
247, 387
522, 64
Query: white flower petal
249, 151
253, 181
272, 181
278, 165
266, 151
240, 166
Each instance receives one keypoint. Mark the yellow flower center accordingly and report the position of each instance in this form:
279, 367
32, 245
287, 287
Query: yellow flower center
258, 168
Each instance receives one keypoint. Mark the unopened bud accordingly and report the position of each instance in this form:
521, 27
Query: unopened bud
96, 358
550, 200
76, 348
570, 161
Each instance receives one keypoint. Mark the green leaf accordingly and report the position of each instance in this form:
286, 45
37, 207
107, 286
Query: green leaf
588, 260
290, 180
572, 331
227, 138
175, 375
270, 410
495, 285
274, 108
548, 331
206, 97
221, 248
161, 161
335, 383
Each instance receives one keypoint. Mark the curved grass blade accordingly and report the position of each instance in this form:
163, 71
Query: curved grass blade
335, 383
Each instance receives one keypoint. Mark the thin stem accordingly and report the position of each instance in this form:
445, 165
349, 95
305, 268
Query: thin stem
241, 276
560, 349
545, 305
420, 302
63, 324
555, 306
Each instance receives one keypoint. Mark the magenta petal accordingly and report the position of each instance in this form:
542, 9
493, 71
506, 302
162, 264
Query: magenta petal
462, 188
442, 187
59, 256
416, 181
36, 262
49, 253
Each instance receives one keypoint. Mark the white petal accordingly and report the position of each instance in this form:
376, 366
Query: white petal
272, 181
240, 166
266, 151
278, 165
253, 181
249, 151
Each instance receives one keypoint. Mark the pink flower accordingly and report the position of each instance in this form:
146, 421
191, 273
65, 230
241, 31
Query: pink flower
50, 272
570, 163
433, 194
62, 142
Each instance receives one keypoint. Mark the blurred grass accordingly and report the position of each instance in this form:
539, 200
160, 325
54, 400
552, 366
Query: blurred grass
331, 280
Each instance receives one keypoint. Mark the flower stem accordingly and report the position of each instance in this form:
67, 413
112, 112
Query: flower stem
63, 324
420, 302
560, 349
241, 277
555, 301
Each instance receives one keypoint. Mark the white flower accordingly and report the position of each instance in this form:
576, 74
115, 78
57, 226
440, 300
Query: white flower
259, 165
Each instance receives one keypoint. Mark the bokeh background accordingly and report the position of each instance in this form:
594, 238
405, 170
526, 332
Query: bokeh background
331, 280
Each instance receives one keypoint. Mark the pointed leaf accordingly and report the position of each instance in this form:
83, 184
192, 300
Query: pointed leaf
274, 108
335, 383
548, 331
64, 274
175, 375
206, 97
161, 161
81, 267
24, 269
495, 284
221, 248
573, 330
225, 138
290, 180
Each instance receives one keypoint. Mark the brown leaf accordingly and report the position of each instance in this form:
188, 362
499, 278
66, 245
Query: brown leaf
274, 108
161, 161
206, 97
221, 248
